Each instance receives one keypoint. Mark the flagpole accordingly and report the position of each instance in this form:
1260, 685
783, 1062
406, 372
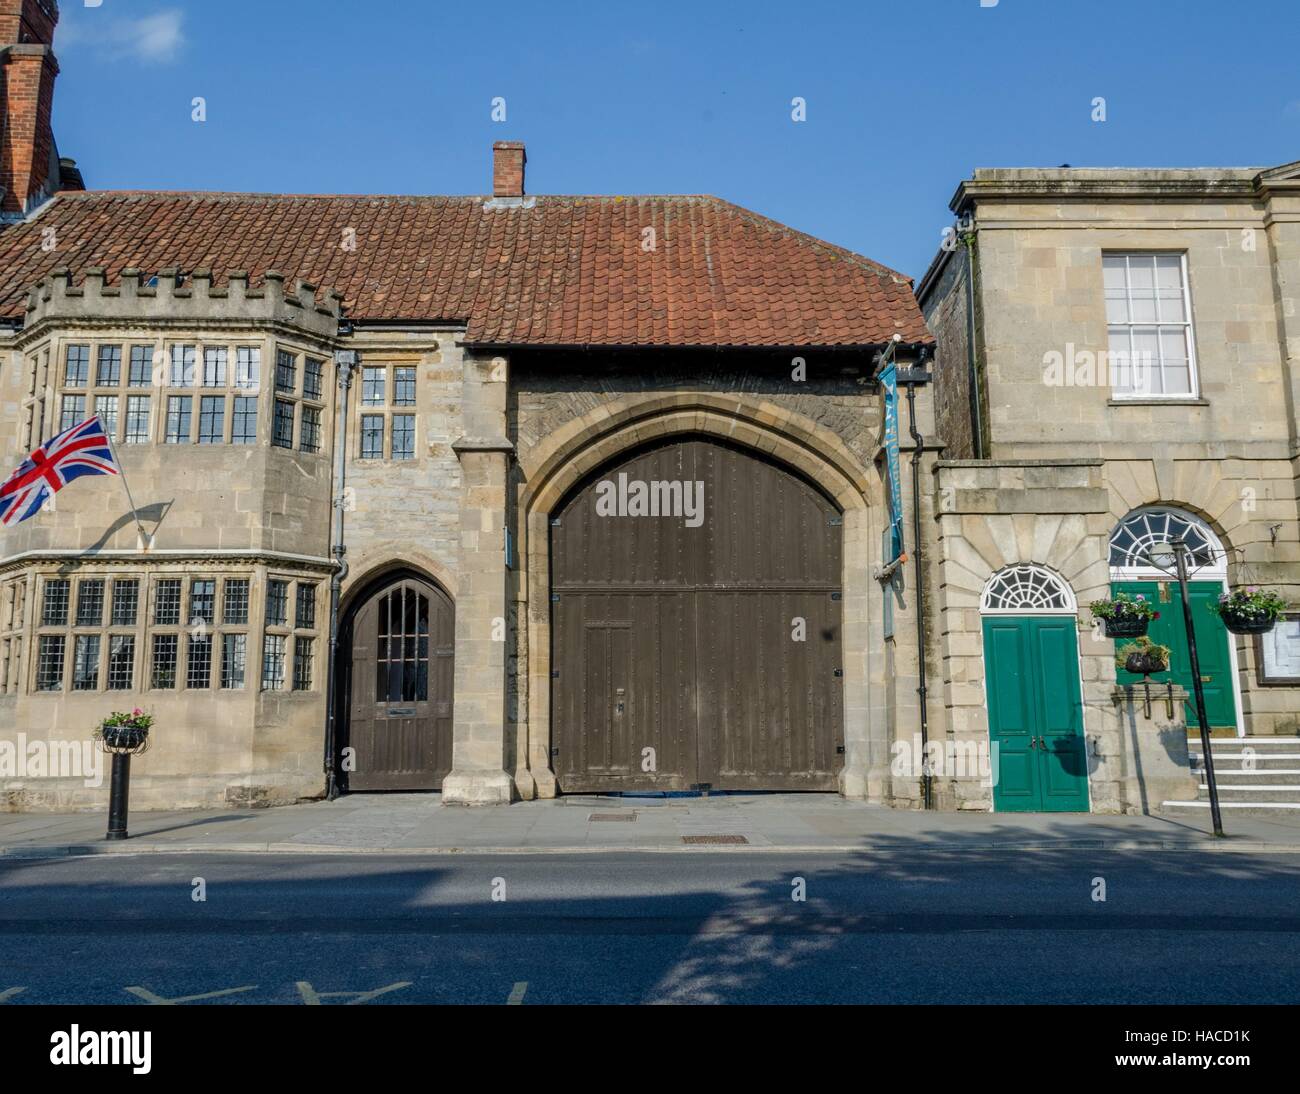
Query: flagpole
145, 539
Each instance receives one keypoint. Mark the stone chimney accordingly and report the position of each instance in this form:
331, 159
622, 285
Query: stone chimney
508, 161
29, 163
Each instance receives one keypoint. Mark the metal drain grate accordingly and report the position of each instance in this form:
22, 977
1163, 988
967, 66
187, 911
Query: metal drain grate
726, 838
611, 817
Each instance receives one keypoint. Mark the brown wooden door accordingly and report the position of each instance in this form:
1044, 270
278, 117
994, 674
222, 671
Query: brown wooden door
400, 688
708, 654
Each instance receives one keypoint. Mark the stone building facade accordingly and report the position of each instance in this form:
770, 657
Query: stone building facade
372, 442
1118, 360
352, 429
227, 409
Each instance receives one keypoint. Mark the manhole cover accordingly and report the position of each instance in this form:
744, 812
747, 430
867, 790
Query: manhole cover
611, 817
723, 838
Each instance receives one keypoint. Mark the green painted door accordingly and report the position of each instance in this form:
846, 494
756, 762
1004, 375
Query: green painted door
1031, 665
1211, 646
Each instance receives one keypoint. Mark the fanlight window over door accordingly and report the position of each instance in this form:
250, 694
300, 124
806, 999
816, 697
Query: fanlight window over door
402, 664
1145, 528
1027, 589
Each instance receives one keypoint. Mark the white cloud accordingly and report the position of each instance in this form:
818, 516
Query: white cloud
155, 39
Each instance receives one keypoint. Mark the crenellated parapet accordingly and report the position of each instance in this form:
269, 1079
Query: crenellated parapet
169, 296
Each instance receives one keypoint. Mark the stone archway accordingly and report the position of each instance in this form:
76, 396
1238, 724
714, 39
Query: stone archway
552, 469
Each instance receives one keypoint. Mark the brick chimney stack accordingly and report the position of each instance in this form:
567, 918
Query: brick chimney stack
508, 161
29, 165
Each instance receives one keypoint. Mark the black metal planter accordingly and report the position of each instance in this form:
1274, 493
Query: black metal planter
124, 738
121, 742
1130, 626
1239, 623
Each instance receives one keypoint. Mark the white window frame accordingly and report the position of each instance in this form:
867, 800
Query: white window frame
1134, 570
1193, 370
1045, 577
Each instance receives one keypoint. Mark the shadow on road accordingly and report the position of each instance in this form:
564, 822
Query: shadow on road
898, 922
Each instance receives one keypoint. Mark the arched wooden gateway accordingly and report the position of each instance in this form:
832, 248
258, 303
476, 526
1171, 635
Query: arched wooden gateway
397, 685
696, 625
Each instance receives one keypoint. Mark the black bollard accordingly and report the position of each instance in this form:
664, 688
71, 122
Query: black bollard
118, 793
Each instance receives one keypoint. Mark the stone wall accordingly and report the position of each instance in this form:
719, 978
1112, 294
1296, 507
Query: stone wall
548, 393
1041, 293
408, 510
944, 302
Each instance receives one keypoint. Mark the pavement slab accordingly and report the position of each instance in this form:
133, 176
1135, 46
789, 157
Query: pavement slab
420, 824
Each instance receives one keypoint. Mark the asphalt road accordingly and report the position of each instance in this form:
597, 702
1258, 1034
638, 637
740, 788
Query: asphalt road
1018, 927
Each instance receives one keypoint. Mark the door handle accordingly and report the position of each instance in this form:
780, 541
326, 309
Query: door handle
1033, 742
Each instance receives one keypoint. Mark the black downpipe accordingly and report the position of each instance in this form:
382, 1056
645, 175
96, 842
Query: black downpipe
918, 442
345, 361
972, 369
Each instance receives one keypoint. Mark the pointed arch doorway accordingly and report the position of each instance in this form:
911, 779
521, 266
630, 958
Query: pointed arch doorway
396, 680
696, 640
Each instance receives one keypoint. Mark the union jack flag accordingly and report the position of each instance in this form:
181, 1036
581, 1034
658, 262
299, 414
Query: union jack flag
81, 450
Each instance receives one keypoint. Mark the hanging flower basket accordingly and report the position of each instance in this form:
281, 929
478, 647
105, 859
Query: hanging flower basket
1124, 616
1143, 657
1128, 627
121, 732
1249, 611
1243, 623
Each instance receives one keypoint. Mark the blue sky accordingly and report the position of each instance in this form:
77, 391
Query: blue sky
903, 99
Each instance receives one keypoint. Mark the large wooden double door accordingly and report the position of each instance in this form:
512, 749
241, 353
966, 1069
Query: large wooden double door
696, 626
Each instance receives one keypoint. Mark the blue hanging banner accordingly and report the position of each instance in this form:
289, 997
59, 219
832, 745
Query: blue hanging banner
888, 379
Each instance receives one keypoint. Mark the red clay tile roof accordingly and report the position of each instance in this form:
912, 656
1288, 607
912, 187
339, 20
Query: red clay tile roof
554, 271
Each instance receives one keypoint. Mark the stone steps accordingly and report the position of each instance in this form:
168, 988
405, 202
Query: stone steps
1255, 775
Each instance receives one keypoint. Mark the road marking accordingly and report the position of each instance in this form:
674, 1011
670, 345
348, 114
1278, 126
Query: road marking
9, 993
517, 993
313, 998
158, 1000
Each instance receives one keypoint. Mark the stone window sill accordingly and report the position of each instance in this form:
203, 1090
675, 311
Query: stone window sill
1158, 402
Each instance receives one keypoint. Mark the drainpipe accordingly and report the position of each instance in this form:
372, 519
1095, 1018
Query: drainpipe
977, 428
345, 361
918, 442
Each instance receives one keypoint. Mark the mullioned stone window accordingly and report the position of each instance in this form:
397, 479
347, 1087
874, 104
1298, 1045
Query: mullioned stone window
299, 401
130, 632
179, 393
387, 428
13, 595
289, 644
38, 383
